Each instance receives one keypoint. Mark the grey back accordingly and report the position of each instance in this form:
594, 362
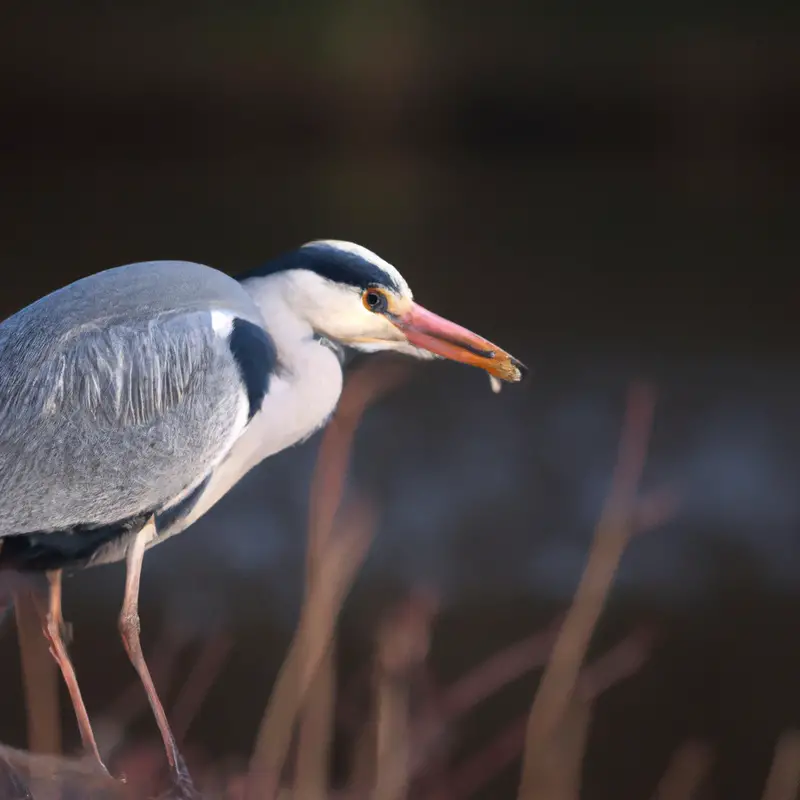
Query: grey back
116, 393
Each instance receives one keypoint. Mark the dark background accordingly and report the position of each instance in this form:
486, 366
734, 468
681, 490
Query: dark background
608, 190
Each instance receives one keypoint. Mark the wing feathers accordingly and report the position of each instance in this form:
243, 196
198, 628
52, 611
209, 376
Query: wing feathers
115, 420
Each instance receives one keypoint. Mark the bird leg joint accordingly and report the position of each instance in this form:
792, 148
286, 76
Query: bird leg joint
129, 624
58, 628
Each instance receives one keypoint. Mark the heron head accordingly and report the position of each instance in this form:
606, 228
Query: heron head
352, 296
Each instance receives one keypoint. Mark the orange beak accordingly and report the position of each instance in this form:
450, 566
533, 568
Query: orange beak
428, 331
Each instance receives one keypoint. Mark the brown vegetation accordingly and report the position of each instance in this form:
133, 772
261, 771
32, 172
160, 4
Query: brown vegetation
401, 744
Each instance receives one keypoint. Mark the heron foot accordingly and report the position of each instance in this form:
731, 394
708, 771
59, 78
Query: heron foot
182, 787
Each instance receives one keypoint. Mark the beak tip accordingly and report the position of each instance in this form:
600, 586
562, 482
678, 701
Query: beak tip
521, 368
508, 370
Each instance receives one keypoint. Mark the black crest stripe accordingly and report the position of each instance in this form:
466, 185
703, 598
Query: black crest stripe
332, 263
256, 357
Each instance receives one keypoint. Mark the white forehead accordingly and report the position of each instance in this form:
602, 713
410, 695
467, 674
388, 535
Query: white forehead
367, 255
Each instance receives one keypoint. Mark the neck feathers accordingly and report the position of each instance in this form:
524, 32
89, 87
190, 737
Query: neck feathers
302, 395
287, 328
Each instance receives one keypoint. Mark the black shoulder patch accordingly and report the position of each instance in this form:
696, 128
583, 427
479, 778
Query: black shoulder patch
256, 357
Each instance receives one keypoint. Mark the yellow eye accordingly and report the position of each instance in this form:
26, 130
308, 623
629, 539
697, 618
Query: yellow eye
375, 300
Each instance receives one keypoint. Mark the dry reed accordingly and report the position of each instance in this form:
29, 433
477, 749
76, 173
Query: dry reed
554, 696
403, 739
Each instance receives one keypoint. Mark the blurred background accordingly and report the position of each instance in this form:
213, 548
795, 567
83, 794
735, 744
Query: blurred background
608, 191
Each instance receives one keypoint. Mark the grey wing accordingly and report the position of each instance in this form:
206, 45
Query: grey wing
114, 420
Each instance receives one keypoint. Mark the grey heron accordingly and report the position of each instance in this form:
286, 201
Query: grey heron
133, 399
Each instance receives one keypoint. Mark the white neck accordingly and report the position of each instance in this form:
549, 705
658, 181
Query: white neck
301, 397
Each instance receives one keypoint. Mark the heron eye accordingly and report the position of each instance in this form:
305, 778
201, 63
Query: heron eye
375, 301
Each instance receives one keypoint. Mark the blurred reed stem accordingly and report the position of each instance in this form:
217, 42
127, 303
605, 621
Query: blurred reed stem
686, 773
614, 530
783, 781
335, 553
40, 677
